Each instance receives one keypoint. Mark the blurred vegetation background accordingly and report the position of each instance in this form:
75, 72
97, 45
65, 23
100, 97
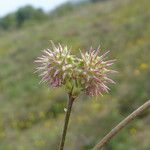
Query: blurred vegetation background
32, 115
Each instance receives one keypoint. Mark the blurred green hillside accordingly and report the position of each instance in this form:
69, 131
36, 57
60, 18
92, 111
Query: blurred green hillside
32, 115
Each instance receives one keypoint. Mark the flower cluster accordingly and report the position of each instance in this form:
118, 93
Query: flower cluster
94, 72
55, 65
89, 73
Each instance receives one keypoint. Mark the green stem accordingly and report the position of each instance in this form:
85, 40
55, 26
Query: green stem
69, 108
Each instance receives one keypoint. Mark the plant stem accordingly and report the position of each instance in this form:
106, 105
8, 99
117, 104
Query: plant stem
121, 125
69, 108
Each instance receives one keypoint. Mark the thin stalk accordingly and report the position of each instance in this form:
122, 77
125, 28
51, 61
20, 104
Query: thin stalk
69, 108
121, 125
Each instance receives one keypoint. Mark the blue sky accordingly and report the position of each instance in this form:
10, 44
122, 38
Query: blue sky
7, 6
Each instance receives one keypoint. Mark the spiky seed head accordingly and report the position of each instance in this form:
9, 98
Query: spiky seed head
55, 65
94, 72
90, 73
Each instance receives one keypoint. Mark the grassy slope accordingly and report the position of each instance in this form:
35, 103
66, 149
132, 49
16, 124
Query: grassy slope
28, 111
